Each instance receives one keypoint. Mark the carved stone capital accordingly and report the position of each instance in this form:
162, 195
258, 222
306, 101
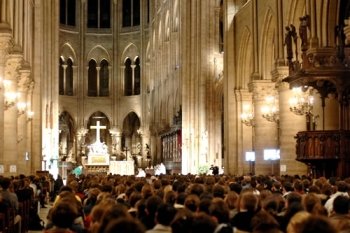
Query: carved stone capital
5, 45
24, 81
262, 88
12, 66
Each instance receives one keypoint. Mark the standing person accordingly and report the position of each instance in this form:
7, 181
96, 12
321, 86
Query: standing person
11, 200
57, 185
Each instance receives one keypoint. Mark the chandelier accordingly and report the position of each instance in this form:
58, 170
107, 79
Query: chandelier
270, 110
247, 116
302, 102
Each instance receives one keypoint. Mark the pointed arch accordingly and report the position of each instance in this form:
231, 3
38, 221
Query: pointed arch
131, 50
98, 53
67, 134
67, 51
267, 45
245, 58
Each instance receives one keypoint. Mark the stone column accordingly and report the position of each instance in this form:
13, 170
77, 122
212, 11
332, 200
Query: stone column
98, 80
133, 78
24, 83
5, 38
64, 78
289, 124
116, 140
11, 157
246, 137
81, 133
266, 133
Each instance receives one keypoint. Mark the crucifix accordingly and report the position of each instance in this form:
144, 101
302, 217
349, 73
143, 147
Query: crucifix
98, 127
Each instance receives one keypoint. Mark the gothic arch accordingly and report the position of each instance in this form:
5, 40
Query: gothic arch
130, 51
67, 134
98, 53
267, 45
245, 58
67, 51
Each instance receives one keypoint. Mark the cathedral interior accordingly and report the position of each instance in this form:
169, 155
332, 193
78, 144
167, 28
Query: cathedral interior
250, 86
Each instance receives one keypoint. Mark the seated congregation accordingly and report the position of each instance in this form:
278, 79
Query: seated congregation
191, 204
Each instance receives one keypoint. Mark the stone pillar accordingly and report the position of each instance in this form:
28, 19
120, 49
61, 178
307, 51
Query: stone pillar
116, 140
64, 66
5, 38
81, 146
11, 140
289, 124
246, 132
133, 78
98, 80
24, 83
265, 132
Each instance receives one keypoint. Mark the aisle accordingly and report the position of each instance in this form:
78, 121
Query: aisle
43, 213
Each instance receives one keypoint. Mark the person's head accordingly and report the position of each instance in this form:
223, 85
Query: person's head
182, 221
219, 210
203, 223
248, 202
218, 191
5, 183
342, 186
263, 222
341, 204
293, 197
231, 200
296, 222
165, 214
124, 225
310, 200
152, 204
115, 212
63, 214
192, 202
317, 224
236, 187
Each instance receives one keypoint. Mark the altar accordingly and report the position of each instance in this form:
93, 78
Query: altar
98, 159
124, 168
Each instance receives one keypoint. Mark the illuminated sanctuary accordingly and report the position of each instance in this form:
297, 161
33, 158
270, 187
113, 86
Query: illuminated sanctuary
250, 86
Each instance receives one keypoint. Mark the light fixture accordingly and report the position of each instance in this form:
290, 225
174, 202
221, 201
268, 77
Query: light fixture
247, 116
30, 115
10, 99
21, 108
302, 102
270, 110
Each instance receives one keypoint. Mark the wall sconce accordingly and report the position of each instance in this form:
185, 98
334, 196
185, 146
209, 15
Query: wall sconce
30, 115
270, 110
21, 108
247, 116
302, 102
10, 99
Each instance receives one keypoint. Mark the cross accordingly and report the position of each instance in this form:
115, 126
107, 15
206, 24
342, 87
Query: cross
98, 127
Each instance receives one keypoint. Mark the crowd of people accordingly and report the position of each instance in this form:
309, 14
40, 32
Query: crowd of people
187, 203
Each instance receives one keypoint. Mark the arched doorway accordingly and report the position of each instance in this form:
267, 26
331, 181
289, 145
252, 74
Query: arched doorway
66, 138
131, 139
